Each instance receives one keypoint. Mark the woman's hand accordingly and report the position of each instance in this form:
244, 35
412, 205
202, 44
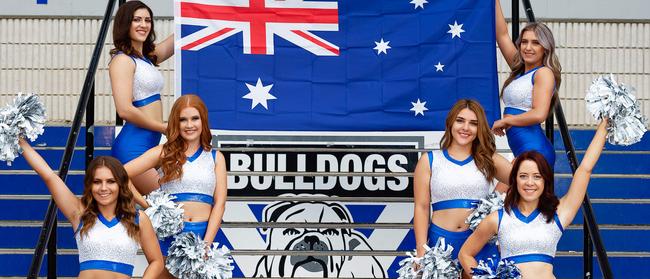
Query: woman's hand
499, 127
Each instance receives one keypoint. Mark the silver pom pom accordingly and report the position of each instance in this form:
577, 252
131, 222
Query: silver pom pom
218, 265
186, 256
24, 117
435, 264
408, 267
608, 99
487, 205
504, 270
166, 215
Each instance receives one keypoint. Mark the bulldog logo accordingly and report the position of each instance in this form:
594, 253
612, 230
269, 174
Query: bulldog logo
323, 239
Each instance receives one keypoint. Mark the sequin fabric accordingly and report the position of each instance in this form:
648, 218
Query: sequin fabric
147, 80
519, 93
107, 244
517, 238
451, 181
198, 177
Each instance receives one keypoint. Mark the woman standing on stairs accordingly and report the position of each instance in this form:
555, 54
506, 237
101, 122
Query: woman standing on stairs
449, 182
532, 221
190, 169
529, 92
136, 84
109, 230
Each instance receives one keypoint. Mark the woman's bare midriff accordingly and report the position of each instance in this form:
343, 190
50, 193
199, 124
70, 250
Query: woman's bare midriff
196, 211
452, 220
153, 111
536, 270
101, 274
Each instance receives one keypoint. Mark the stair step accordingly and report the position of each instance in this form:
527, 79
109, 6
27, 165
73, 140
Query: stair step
619, 163
622, 187
582, 138
58, 136
53, 157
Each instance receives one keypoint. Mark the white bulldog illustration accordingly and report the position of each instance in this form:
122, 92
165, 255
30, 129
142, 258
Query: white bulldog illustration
324, 239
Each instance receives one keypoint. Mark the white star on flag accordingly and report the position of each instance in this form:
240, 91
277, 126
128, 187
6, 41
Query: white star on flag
382, 46
439, 67
259, 94
418, 107
419, 3
455, 29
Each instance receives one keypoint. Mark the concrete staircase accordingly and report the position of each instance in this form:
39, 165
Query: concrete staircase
619, 189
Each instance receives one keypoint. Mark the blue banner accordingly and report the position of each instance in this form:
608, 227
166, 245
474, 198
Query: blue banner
355, 65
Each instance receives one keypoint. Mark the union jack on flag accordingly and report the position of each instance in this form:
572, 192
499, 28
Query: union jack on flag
259, 21
352, 65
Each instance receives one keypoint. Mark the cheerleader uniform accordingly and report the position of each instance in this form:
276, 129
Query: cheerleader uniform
195, 185
518, 99
133, 140
528, 238
456, 184
107, 246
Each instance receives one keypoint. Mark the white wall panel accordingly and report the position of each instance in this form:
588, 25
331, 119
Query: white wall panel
50, 56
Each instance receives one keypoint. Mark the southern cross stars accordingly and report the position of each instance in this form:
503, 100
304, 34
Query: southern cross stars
419, 3
455, 29
439, 67
418, 107
382, 46
259, 94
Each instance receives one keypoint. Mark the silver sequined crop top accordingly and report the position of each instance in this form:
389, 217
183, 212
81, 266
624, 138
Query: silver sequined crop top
148, 82
528, 238
107, 246
519, 93
198, 180
453, 180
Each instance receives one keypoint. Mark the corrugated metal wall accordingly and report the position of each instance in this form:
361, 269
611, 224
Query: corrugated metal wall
49, 56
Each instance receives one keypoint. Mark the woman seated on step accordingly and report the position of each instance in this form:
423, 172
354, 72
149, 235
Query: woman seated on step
449, 182
531, 223
108, 229
189, 169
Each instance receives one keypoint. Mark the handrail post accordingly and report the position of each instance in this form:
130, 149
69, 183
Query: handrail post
49, 222
514, 15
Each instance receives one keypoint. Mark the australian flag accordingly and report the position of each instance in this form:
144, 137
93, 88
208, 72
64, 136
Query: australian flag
326, 65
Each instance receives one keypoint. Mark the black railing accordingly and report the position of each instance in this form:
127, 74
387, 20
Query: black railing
590, 230
47, 235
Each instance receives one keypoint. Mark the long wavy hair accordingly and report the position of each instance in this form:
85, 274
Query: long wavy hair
125, 208
483, 146
550, 59
548, 201
173, 153
122, 27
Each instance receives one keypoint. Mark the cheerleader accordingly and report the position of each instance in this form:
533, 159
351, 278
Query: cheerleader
189, 169
449, 182
529, 90
533, 219
136, 84
108, 229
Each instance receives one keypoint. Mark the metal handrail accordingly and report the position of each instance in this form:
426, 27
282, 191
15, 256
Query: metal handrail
47, 234
590, 226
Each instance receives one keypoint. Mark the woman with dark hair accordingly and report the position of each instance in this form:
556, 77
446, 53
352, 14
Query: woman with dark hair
108, 230
190, 169
449, 182
529, 91
136, 84
533, 219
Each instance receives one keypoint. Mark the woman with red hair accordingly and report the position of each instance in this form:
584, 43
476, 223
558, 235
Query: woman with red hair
190, 169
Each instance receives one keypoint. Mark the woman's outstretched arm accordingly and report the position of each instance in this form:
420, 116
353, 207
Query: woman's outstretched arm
69, 204
570, 203
150, 247
220, 196
507, 47
473, 245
